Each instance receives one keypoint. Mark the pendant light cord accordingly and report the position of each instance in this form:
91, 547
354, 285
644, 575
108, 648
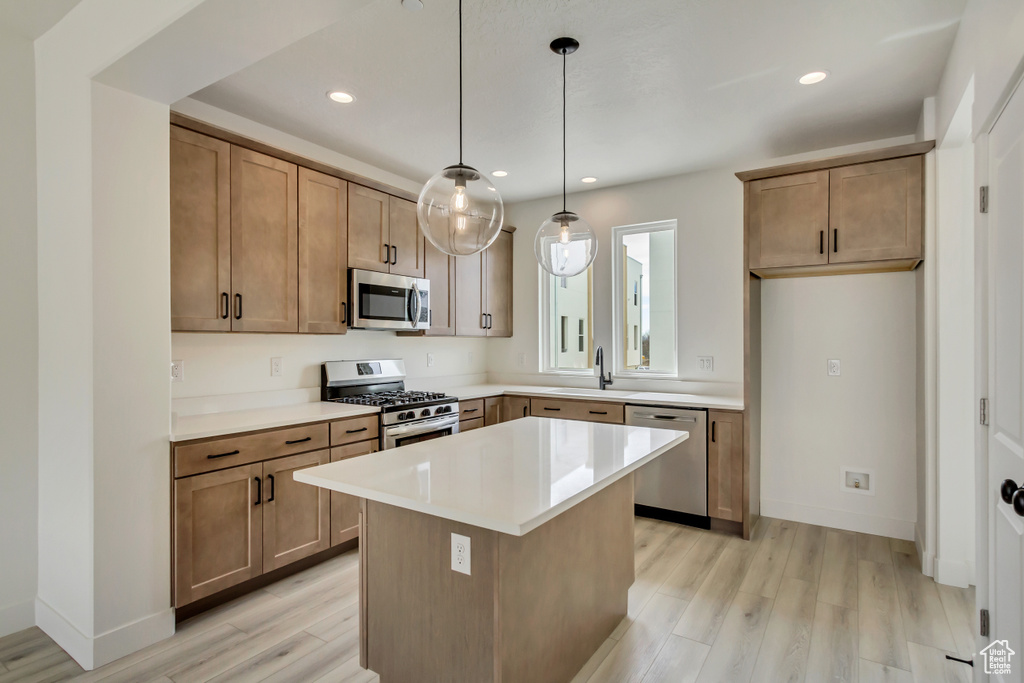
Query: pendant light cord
563, 132
460, 82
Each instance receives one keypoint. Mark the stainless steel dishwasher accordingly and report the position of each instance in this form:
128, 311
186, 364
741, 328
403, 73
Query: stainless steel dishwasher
674, 486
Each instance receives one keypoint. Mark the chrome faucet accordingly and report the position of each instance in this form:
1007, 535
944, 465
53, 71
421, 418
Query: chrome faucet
603, 382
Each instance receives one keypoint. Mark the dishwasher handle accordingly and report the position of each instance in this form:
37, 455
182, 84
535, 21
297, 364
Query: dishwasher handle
673, 418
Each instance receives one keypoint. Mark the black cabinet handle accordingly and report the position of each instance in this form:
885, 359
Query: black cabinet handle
344, 313
821, 242
835, 240
1007, 490
271, 478
238, 306
387, 253
227, 305
598, 412
470, 410
289, 443
355, 431
222, 455
712, 432
483, 321
394, 259
490, 321
259, 491
556, 409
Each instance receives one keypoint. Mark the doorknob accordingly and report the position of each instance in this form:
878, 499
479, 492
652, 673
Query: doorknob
1007, 490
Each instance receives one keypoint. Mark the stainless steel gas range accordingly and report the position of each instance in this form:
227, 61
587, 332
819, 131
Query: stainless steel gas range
406, 416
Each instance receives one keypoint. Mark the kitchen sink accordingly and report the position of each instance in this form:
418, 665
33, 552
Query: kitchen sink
586, 392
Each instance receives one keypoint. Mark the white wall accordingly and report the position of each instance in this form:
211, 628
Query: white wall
812, 424
18, 336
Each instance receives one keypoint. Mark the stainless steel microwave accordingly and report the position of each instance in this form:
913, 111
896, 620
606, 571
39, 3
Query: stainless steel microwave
381, 301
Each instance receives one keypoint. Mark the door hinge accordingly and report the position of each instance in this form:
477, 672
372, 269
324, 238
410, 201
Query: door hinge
984, 623
984, 199
983, 413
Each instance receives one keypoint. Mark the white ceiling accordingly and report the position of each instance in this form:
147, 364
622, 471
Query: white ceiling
32, 18
658, 87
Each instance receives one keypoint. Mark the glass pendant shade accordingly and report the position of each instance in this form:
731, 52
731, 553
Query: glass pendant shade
565, 244
460, 211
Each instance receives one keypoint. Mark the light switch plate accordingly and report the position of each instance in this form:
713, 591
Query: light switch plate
833, 367
430, 360
461, 554
706, 363
177, 371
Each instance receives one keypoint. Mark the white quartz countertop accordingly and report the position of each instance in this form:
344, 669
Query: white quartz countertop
510, 477
638, 397
237, 421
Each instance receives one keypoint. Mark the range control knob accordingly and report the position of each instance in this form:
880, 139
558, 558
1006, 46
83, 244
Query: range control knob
404, 416
425, 412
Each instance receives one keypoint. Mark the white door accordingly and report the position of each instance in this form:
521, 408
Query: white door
1006, 380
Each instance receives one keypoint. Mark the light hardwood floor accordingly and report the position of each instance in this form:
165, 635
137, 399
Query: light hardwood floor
796, 603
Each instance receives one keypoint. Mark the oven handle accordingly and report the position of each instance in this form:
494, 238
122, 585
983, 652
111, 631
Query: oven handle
446, 421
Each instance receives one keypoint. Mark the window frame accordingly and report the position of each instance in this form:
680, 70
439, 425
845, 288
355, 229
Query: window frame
549, 327
618, 296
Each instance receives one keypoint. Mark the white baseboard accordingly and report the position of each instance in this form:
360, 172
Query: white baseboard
926, 558
18, 617
91, 653
838, 519
953, 572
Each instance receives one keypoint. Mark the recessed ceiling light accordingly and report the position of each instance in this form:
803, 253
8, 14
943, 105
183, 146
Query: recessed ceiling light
499, 174
342, 97
813, 77
589, 179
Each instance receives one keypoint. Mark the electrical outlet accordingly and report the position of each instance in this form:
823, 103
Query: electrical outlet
430, 360
177, 371
833, 368
461, 554
860, 480
276, 365
522, 360
706, 363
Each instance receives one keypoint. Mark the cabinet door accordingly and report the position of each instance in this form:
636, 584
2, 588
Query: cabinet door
498, 288
368, 228
345, 508
200, 232
405, 238
469, 296
492, 411
468, 425
323, 253
296, 516
439, 268
876, 211
218, 531
787, 218
514, 407
725, 466
264, 243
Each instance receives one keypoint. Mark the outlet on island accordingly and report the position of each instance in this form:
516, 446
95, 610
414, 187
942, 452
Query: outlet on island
460, 554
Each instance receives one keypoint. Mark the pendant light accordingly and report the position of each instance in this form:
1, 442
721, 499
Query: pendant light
459, 209
566, 244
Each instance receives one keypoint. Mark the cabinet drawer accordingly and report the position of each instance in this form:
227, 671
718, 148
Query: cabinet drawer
357, 429
220, 454
471, 409
590, 411
475, 423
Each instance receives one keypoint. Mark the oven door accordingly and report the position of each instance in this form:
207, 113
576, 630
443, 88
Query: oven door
425, 430
381, 301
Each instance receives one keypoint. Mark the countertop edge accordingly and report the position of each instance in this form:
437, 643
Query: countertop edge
554, 393
355, 412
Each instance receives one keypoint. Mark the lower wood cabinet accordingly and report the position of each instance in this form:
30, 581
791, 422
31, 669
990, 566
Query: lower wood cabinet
589, 411
725, 465
492, 411
345, 508
467, 425
296, 516
514, 407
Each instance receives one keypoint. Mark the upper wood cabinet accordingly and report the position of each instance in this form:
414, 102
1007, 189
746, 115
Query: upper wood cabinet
264, 243
323, 252
725, 465
383, 233
875, 211
787, 219
200, 232
439, 268
469, 302
857, 213
498, 286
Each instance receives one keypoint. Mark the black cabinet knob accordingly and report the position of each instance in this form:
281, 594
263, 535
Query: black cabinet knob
1018, 502
1007, 490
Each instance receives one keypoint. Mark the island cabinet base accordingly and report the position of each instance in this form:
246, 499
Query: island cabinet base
534, 609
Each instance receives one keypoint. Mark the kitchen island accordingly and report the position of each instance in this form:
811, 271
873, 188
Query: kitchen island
547, 508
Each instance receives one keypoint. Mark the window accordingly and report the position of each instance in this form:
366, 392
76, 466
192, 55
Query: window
644, 315
566, 324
